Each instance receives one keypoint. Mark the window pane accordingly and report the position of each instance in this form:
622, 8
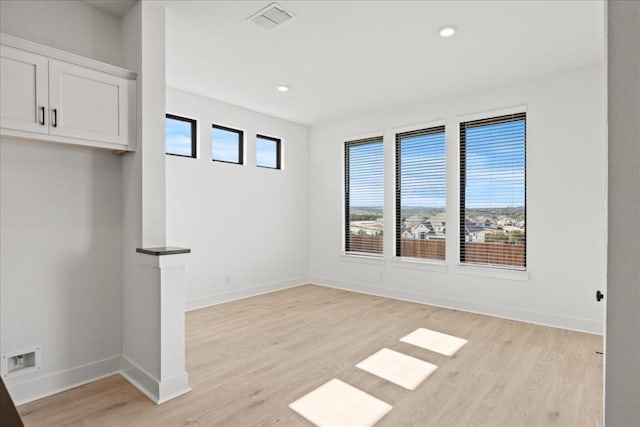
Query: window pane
179, 136
493, 191
364, 195
226, 144
267, 152
421, 194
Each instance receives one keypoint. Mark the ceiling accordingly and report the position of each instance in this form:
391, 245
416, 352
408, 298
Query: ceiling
341, 58
112, 7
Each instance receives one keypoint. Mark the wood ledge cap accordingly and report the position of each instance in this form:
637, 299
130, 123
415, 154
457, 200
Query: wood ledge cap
163, 250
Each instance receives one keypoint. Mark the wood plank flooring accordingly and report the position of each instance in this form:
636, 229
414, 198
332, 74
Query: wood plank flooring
249, 359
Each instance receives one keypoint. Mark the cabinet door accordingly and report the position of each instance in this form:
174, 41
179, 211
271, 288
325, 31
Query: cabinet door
87, 104
23, 84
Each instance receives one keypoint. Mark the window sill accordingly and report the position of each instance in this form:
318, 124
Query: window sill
363, 259
420, 264
493, 272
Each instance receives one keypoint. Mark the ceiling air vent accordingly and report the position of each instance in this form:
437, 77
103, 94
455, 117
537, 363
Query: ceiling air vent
270, 17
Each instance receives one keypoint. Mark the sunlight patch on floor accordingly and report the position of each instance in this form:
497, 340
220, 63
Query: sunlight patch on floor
337, 403
434, 341
398, 368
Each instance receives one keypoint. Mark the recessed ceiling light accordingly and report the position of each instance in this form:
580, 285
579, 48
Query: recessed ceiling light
447, 31
283, 88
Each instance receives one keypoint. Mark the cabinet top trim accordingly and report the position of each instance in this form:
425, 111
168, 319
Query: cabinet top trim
61, 55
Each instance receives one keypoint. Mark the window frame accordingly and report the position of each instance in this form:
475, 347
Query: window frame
424, 130
496, 117
194, 135
346, 236
240, 134
278, 142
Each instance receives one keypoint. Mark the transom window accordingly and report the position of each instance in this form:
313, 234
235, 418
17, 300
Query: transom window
268, 152
180, 136
227, 144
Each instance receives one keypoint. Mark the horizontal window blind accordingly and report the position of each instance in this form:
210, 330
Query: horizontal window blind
364, 195
421, 193
493, 191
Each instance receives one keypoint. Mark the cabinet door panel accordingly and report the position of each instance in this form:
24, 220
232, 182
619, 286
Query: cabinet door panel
23, 81
87, 104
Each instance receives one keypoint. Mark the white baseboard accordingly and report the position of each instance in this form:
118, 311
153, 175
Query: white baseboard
505, 312
24, 391
158, 391
173, 387
202, 302
139, 378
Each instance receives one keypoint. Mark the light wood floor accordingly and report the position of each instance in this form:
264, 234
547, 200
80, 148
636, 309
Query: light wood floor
249, 359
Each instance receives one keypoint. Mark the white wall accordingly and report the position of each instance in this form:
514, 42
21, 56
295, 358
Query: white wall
60, 263
73, 26
622, 385
247, 226
61, 225
565, 210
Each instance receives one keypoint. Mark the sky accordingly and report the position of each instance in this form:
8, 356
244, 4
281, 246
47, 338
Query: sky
366, 180
224, 144
495, 169
178, 137
496, 165
266, 152
423, 171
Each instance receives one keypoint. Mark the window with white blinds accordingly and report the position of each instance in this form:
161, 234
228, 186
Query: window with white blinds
493, 191
364, 195
421, 193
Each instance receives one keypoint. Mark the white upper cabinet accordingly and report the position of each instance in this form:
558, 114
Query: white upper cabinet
87, 104
56, 96
23, 92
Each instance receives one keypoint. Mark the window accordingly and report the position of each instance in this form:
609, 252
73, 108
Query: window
268, 152
226, 144
364, 195
493, 191
421, 194
180, 136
